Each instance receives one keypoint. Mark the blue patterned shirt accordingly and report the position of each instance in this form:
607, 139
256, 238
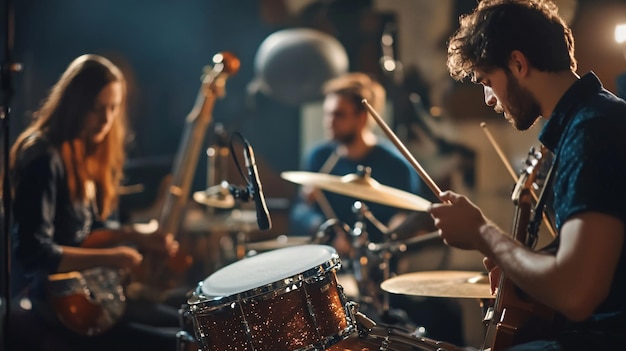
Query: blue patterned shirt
587, 133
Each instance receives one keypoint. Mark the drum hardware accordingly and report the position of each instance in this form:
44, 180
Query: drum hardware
327, 231
186, 342
402, 246
366, 260
216, 196
380, 337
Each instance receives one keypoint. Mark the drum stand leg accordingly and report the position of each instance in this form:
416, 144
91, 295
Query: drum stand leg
368, 287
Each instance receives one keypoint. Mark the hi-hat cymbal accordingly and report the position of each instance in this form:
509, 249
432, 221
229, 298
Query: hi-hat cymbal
458, 284
362, 187
279, 242
234, 221
215, 196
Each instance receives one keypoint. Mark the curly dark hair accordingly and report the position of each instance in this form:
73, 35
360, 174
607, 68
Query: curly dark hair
487, 36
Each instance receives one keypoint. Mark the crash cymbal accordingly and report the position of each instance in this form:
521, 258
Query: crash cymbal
362, 187
458, 284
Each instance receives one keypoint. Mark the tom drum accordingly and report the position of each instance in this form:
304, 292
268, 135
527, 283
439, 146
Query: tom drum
285, 299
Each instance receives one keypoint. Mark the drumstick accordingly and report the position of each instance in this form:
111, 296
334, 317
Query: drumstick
508, 166
318, 194
405, 152
499, 151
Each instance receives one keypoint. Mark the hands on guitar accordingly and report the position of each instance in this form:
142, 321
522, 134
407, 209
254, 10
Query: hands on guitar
125, 248
459, 221
494, 273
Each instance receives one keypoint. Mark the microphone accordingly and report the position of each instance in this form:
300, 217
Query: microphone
262, 214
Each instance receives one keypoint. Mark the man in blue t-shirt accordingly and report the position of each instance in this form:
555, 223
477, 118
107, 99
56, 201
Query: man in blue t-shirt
353, 144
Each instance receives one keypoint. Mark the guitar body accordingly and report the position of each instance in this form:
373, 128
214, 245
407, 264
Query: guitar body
92, 301
89, 302
520, 320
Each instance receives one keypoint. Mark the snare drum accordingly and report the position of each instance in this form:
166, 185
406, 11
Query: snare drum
285, 299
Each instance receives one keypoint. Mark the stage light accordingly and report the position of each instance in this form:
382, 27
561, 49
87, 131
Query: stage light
620, 33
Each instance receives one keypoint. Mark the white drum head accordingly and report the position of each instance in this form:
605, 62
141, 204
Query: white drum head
266, 268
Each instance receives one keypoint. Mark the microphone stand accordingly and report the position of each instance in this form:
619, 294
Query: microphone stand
6, 70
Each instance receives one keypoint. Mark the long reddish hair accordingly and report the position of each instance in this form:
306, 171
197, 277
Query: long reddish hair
61, 119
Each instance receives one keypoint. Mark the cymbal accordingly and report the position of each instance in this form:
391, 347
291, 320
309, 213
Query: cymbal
235, 220
362, 187
458, 284
215, 196
277, 243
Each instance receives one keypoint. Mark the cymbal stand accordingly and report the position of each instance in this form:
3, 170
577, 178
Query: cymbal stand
217, 162
231, 245
363, 249
359, 257
383, 252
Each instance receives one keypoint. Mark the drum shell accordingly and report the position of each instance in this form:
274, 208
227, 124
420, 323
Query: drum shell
301, 312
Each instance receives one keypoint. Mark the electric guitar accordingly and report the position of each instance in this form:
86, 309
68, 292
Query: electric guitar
515, 317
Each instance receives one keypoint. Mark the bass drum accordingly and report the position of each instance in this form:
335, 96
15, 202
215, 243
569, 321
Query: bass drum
390, 338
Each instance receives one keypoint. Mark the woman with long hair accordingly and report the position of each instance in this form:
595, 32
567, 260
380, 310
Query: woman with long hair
66, 169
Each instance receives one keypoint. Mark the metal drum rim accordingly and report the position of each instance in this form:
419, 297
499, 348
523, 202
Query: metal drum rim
281, 285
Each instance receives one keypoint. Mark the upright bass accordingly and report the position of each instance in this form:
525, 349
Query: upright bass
159, 273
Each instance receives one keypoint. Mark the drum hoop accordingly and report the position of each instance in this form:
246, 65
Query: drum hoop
201, 302
392, 335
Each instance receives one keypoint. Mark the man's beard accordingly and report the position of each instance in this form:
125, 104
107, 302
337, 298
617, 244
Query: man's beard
523, 108
346, 139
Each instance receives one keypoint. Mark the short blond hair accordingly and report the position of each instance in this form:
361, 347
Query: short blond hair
357, 86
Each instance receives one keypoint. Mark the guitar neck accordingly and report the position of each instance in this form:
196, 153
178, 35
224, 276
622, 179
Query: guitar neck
515, 316
185, 164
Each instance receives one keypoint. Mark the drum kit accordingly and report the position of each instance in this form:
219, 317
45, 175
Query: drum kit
289, 297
